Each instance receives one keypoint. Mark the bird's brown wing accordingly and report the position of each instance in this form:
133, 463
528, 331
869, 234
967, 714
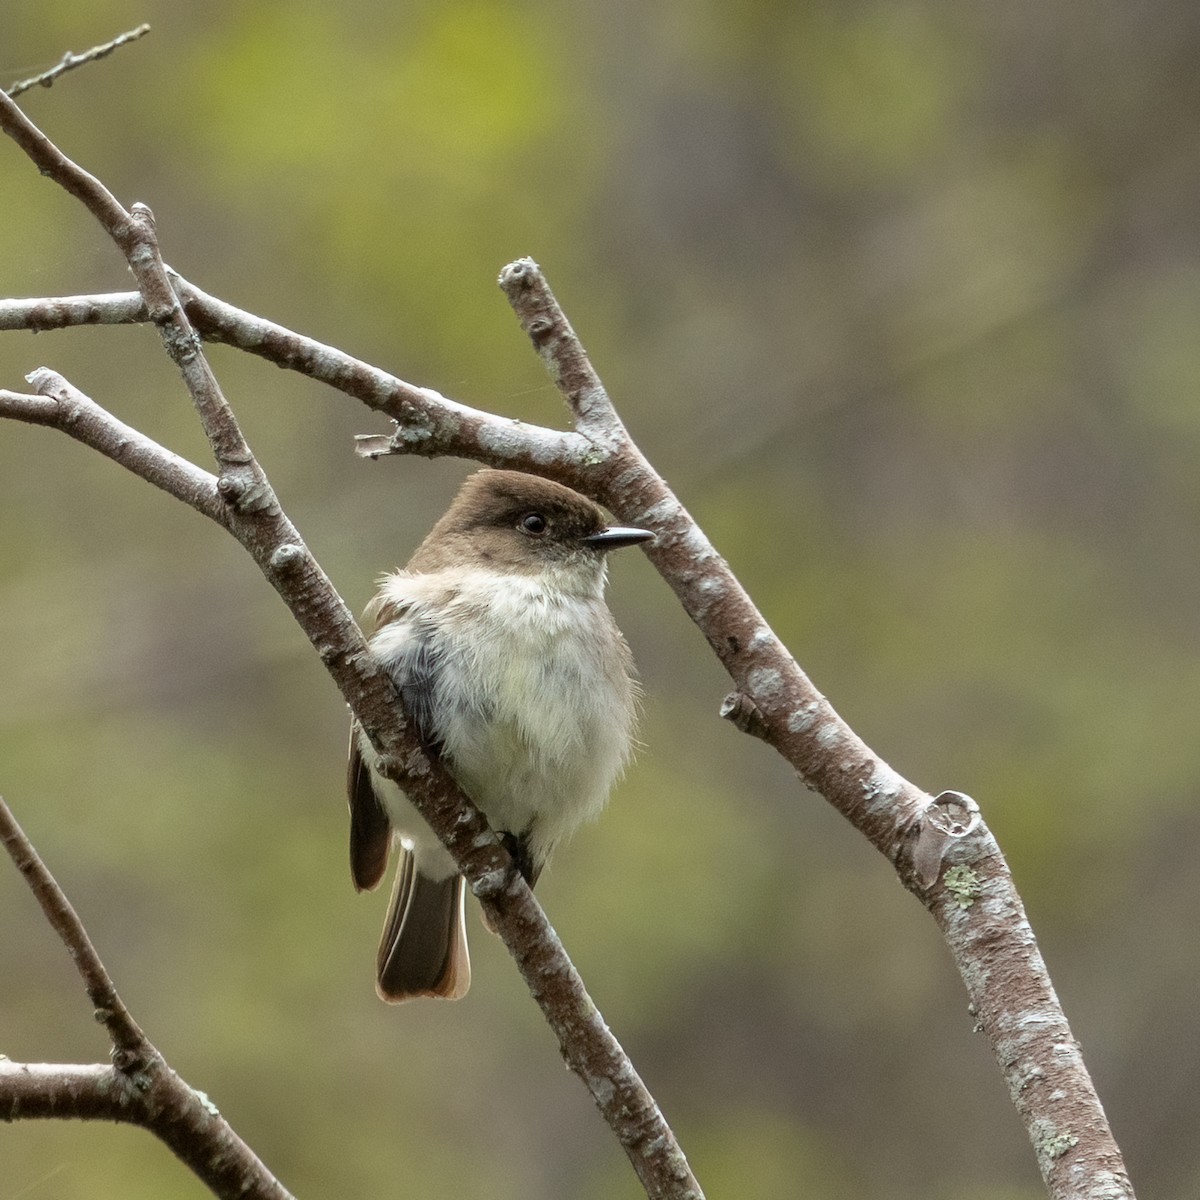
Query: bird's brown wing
370, 829
413, 671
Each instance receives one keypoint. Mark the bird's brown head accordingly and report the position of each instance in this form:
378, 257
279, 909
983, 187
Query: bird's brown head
510, 521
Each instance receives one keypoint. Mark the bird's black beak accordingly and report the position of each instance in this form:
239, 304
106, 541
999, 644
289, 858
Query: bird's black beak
616, 536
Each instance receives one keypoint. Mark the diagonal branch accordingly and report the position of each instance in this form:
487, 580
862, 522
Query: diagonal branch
251, 512
972, 898
134, 234
129, 1042
562, 354
426, 422
588, 1046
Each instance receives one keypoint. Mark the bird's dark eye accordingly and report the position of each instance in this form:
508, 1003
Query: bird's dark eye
533, 524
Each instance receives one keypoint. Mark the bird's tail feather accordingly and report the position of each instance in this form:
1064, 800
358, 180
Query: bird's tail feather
423, 951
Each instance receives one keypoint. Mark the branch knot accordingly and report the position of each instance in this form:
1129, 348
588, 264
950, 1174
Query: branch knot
738, 708
948, 818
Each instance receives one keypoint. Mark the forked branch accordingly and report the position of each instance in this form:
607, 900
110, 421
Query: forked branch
139, 1088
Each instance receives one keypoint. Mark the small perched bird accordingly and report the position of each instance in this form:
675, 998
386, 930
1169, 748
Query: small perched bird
509, 662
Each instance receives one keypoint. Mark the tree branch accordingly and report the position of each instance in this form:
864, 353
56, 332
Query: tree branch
139, 1088
129, 1043
562, 354
427, 423
588, 1046
977, 907
59, 405
66, 312
70, 61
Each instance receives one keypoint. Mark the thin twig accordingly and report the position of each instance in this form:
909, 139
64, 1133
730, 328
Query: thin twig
70, 61
59, 405
562, 354
127, 1039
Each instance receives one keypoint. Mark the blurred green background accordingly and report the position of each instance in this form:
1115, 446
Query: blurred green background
902, 298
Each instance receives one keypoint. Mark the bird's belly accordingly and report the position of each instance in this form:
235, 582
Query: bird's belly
541, 754
533, 716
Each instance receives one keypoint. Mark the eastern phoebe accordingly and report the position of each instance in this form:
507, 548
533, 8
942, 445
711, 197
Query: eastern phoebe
499, 641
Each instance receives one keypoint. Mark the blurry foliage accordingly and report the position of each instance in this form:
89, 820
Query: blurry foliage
451, 110
751, 1154
902, 296
871, 92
